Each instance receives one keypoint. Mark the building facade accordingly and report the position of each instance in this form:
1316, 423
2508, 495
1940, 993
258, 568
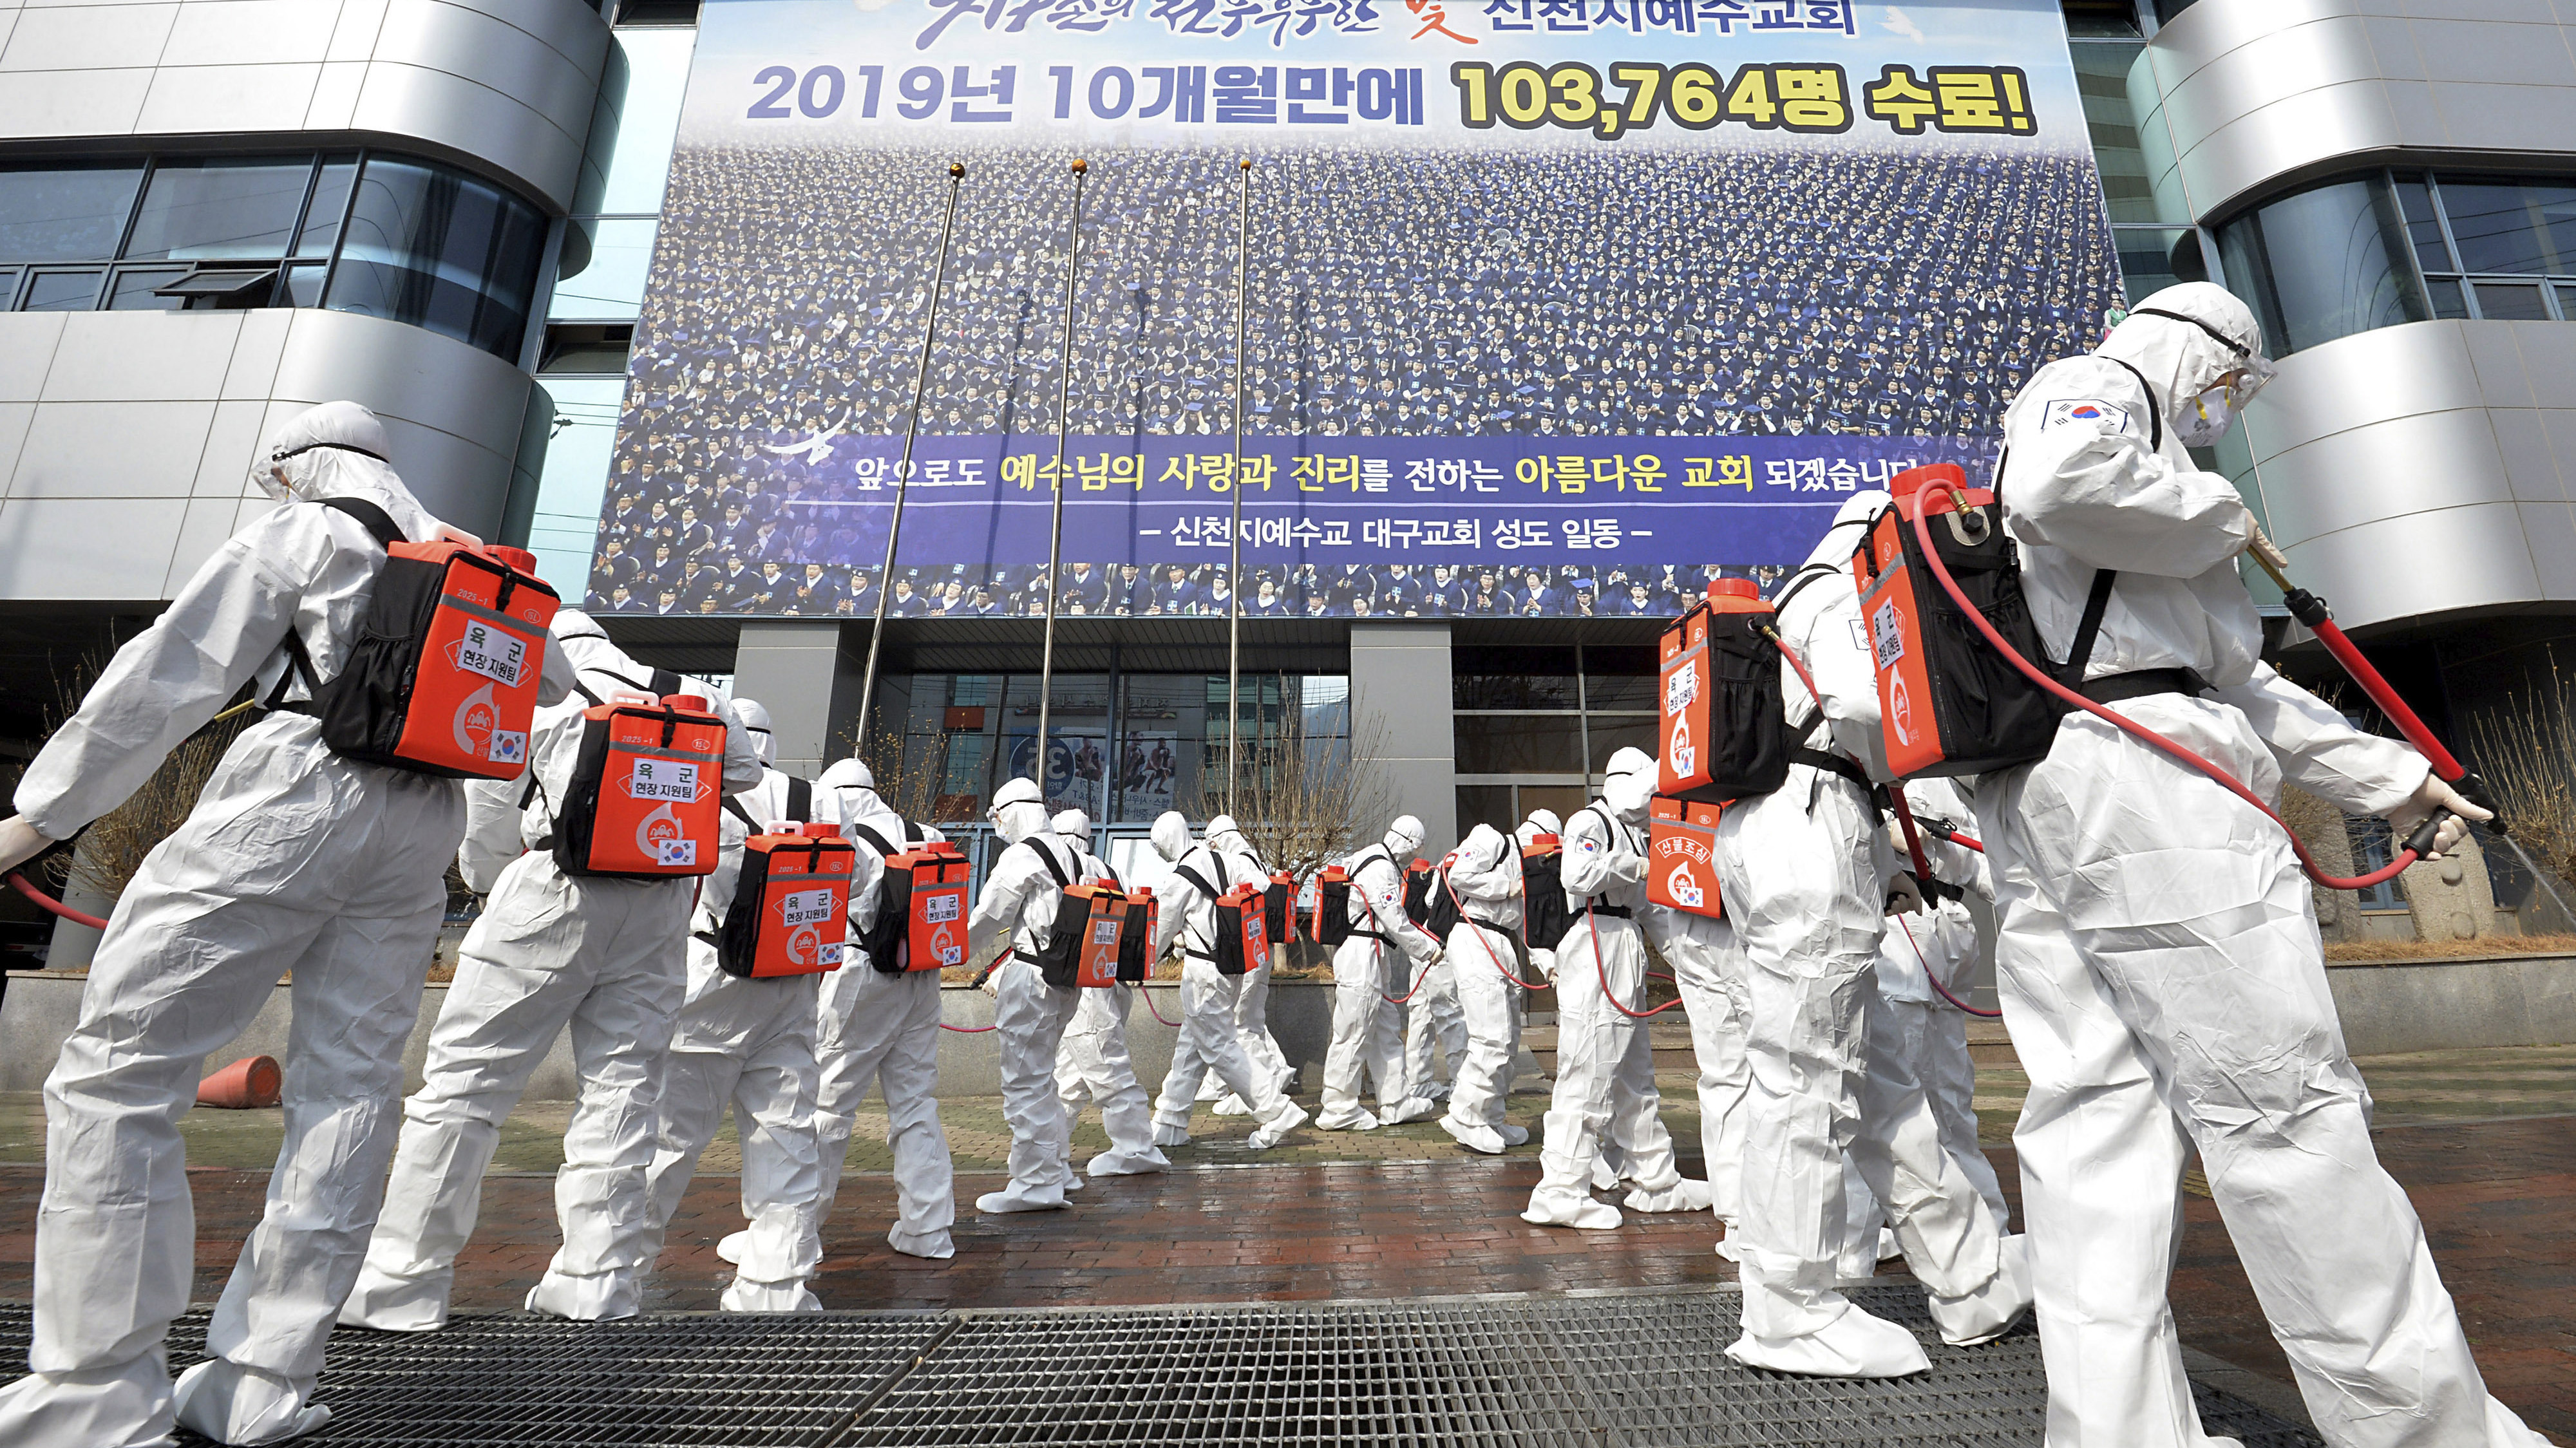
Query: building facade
213, 212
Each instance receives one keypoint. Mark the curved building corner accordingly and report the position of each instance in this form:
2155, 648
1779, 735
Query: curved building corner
2395, 193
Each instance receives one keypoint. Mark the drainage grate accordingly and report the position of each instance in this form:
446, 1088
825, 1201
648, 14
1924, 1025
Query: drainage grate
1582, 1372
1573, 1371
507, 1379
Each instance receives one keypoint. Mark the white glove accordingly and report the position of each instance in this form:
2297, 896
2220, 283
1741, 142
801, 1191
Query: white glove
2436, 793
1545, 960
1904, 896
20, 842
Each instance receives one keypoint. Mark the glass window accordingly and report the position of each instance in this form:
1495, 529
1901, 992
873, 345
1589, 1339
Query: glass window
8, 286
303, 285
2566, 298
220, 208
2325, 263
2153, 259
1486, 804
63, 291
1520, 744
66, 213
440, 250
2423, 225
330, 204
132, 291
2511, 302
2102, 78
1609, 736
2512, 226
2448, 297
602, 272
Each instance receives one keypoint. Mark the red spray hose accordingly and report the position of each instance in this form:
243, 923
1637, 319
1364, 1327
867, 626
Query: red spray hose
1936, 980
1497, 959
2218, 776
1149, 1008
998, 962
52, 905
1904, 816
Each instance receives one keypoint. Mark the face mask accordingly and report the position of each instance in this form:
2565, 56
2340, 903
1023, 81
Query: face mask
1017, 822
2207, 419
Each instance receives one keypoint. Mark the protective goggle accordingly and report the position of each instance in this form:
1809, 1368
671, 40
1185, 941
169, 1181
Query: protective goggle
2254, 371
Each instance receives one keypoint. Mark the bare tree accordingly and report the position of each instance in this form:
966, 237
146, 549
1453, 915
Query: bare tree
112, 848
2528, 758
1303, 801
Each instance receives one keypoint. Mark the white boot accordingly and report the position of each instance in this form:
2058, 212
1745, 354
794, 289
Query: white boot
1289, 1117
1473, 1135
241, 1405
1854, 1345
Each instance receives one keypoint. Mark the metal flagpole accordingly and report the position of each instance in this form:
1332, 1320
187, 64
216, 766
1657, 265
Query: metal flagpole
1234, 556
903, 470
1055, 528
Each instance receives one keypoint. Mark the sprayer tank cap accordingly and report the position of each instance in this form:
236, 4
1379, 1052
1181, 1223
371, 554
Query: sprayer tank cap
1733, 588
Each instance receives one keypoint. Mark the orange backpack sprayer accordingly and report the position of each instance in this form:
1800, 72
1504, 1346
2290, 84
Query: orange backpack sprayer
921, 911
791, 908
1681, 856
441, 677
1969, 519
647, 795
1722, 735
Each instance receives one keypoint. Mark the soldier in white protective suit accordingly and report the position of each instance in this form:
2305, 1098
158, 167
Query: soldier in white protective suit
2158, 955
749, 1042
1709, 972
880, 1031
1021, 893
1485, 954
294, 859
1252, 1024
1806, 874
1092, 1063
1368, 1031
1921, 1028
1209, 1039
606, 956
1605, 1066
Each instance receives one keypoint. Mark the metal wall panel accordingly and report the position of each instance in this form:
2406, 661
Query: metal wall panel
2254, 90
2442, 441
1400, 690
506, 84
126, 438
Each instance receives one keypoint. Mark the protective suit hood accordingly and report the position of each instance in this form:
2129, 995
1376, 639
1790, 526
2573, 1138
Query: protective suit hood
1074, 825
339, 450
1628, 783
1403, 836
755, 719
1843, 538
1223, 827
1547, 822
848, 774
603, 666
1019, 811
1171, 835
2183, 339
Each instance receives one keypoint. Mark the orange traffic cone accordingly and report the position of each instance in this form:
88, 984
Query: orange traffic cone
249, 1082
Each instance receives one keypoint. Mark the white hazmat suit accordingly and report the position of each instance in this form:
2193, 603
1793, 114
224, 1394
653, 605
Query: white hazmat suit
1917, 1026
1803, 872
1368, 1028
606, 957
1709, 971
1486, 961
294, 860
1092, 1063
1605, 1065
1209, 1038
750, 1043
880, 1031
1020, 896
2158, 959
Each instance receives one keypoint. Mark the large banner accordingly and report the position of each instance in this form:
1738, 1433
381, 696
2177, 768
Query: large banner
1549, 307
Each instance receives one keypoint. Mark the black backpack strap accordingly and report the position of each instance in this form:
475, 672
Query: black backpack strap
2096, 603
1193, 876
370, 517
2155, 414
733, 806
800, 800
878, 842
1048, 857
1797, 584
912, 833
298, 662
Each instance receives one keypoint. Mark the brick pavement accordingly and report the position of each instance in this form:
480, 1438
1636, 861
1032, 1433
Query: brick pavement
1405, 1213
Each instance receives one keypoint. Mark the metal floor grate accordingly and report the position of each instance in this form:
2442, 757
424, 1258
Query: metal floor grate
1582, 1372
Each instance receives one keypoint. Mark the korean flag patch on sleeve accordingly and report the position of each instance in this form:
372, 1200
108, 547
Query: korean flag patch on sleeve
2087, 412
